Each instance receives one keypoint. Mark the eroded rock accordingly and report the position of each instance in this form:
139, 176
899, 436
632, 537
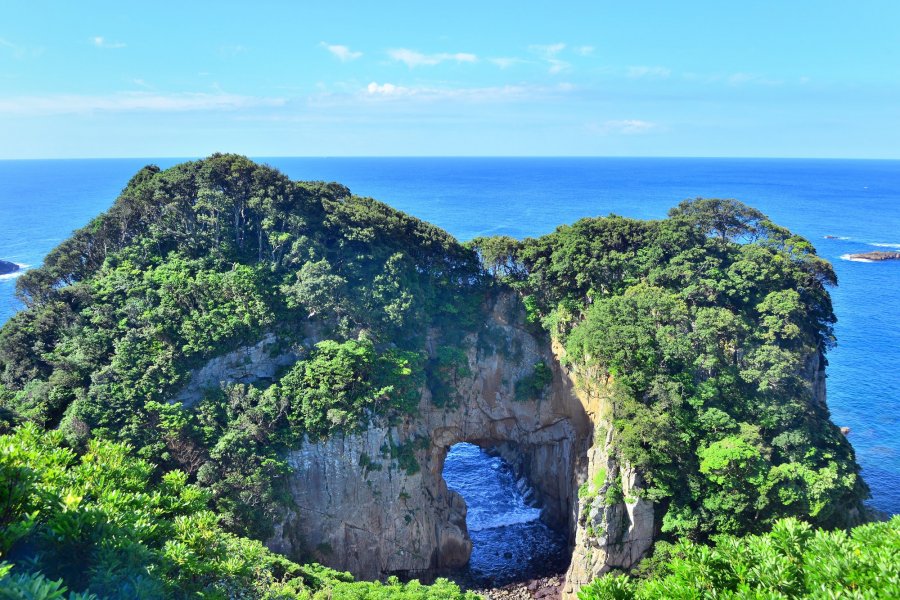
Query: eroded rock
356, 506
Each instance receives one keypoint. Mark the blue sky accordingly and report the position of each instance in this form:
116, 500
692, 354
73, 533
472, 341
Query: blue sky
696, 78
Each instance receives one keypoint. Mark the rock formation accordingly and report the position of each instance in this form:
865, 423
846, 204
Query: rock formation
375, 503
7, 267
875, 256
245, 365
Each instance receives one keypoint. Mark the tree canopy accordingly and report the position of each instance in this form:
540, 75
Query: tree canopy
711, 325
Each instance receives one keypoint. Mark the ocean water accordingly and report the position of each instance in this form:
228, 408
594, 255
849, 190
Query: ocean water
858, 202
509, 539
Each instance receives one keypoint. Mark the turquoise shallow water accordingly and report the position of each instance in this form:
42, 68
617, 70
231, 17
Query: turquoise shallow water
41, 202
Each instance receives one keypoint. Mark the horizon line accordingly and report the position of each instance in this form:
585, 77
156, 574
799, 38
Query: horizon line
453, 156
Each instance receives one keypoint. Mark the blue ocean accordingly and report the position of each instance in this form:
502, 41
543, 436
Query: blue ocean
856, 203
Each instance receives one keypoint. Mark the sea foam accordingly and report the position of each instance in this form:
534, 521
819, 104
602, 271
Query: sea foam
505, 519
851, 258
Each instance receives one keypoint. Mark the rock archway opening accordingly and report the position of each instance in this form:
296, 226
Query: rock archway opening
510, 540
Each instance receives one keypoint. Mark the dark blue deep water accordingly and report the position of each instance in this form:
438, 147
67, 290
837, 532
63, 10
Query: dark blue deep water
41, 202
508, 537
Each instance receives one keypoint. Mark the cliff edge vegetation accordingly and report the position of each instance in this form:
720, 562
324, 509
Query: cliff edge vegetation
711, 327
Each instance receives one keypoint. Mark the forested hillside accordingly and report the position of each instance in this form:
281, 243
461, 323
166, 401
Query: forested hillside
194, 261
711, 325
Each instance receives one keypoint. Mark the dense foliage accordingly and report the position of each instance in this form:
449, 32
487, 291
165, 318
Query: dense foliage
792, 561
207, 256
97, 524
709, 325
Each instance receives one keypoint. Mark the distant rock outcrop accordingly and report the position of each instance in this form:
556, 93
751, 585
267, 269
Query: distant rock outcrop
7, 267
878, 255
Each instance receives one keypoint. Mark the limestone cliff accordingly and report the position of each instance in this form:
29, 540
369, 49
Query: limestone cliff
375, 502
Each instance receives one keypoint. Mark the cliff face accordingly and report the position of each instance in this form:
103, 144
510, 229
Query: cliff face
612, 526
375, 502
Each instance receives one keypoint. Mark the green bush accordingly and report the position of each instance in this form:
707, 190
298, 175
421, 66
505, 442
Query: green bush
792, 561
97, 523
533, 385
34, 586
342, 384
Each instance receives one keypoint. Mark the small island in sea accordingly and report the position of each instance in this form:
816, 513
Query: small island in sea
876, 256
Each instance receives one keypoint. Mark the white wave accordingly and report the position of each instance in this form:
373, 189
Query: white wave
852, 259
16, 274
488, 521
886, 245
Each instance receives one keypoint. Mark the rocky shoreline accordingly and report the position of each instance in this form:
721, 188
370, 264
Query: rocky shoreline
875, 256
543, 588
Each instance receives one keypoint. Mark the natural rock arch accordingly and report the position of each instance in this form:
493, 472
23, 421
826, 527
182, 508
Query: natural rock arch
375, 502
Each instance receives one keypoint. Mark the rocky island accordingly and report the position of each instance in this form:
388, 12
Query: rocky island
875, 256
7, 267
234, 384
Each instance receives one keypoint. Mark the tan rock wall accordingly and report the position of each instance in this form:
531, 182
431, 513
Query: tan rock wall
354, 508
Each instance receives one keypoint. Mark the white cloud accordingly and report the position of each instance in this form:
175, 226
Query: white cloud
585, 50
740, 78
232, 50
131, 102
412, 59
101, 42
342, 52
386, 89
557, 66
750, 78
623, 127
649, 72
469, 94
19, 52
548, 50
548, 53
505, 62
